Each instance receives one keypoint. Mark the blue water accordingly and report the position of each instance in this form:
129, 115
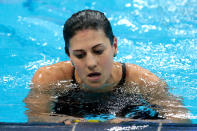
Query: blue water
159, 35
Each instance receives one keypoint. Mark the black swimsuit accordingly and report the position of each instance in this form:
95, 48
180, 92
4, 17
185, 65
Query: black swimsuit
79, 103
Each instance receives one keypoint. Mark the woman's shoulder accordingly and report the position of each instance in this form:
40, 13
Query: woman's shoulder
139, 75
53, 73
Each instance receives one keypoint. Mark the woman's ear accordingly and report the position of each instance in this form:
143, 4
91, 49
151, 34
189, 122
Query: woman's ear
115, 46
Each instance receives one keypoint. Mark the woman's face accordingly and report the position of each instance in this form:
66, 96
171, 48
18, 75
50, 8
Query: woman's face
92, 55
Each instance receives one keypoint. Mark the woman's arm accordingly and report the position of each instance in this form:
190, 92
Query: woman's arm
46, 85
155, 92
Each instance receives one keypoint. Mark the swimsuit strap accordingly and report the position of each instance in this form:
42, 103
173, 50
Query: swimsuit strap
73, 76
121, 82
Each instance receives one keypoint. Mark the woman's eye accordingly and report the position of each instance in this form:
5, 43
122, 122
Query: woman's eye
99, 52
80, 56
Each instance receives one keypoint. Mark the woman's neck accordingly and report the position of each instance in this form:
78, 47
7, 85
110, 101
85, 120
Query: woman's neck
108, 85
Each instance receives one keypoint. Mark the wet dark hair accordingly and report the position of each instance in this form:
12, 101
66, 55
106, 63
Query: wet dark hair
86, 19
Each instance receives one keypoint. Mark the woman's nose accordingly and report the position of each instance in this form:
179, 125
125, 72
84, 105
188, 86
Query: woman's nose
91, 61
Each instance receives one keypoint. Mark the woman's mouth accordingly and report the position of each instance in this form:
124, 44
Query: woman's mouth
95, 76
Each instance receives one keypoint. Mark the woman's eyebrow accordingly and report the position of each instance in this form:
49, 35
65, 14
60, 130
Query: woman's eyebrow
78, 51
81, 50
98, 45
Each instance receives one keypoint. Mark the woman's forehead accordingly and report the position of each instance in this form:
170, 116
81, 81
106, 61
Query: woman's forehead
88, 37
88, 32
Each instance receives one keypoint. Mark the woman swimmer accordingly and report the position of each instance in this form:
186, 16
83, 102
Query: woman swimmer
91, 46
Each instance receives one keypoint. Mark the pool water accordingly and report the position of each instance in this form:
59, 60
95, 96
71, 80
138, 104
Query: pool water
159, 35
